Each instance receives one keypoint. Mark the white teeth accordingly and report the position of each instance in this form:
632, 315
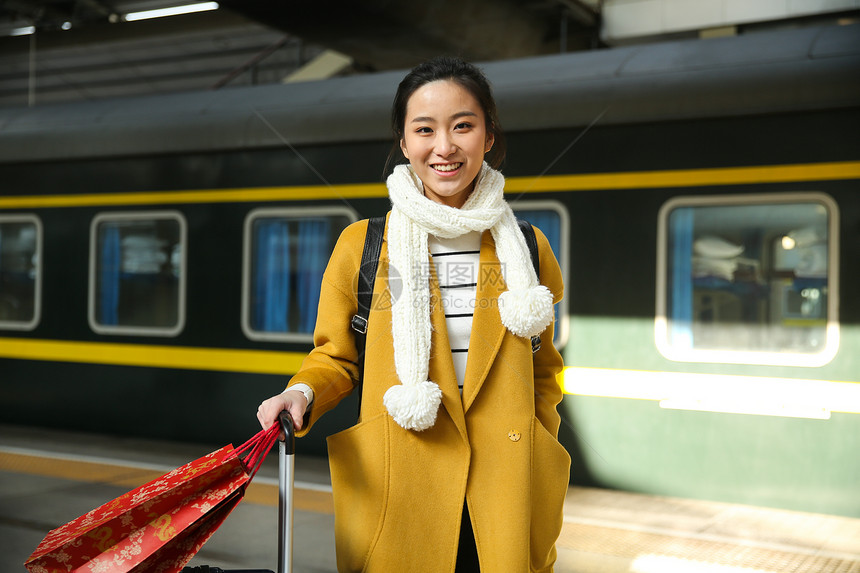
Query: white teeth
449, 167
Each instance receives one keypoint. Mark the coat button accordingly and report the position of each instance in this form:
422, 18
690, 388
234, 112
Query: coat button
514, 436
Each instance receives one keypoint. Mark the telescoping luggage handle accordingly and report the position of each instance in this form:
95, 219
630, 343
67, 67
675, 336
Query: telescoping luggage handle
286, 466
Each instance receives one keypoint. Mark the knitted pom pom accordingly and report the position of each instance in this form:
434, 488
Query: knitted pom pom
526, 312
414, 406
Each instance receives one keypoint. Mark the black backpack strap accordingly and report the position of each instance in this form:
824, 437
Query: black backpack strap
366, 280
531, 242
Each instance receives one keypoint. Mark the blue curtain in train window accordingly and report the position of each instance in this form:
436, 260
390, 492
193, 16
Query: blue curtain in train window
271, 280
313, 255
549, 222
680, 278
110, 265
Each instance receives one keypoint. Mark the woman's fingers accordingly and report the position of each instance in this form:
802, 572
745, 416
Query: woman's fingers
295, 402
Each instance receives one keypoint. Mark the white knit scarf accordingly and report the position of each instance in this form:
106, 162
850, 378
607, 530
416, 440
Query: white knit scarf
525, 308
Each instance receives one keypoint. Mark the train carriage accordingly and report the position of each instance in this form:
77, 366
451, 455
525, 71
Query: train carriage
160, 256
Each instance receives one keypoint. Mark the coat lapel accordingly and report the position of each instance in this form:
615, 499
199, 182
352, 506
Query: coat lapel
487, 328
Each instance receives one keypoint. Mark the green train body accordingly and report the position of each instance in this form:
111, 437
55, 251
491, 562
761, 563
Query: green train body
703, 201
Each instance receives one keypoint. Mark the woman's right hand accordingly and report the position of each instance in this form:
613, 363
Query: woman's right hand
291, 400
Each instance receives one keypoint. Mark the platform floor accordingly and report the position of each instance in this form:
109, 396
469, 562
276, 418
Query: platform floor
48, 479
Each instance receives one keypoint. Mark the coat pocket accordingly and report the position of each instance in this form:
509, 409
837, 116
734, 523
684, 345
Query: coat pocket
550, 478
359, 460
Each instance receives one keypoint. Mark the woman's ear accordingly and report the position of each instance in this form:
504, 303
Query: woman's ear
403, 148
491, 139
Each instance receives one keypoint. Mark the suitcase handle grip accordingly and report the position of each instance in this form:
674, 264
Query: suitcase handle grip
289, 432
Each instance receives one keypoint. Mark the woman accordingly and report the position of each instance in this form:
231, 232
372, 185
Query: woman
455, 463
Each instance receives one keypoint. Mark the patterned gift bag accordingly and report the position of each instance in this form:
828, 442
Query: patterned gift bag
159, 526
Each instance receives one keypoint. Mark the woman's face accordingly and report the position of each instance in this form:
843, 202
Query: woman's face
445, 139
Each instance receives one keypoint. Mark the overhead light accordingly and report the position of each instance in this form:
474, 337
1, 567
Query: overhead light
172, 11
26, 30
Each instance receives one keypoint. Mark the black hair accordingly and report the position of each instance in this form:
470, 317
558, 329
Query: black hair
466, 76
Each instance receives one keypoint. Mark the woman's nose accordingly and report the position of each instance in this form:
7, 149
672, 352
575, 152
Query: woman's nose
444, 145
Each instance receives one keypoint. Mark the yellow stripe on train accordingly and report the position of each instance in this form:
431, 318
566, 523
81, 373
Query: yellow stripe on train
829, 171
155, 356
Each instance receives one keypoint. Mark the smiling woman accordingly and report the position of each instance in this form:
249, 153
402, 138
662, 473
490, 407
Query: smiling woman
456, 422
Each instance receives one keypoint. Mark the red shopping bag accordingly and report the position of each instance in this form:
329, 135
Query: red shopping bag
159, 526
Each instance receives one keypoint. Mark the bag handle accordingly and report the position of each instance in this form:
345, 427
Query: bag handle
256, 449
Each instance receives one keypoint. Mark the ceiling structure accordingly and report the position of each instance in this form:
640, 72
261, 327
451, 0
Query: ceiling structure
87, 49
386, 34
97, 58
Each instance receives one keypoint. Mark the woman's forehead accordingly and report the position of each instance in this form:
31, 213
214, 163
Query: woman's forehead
440, 99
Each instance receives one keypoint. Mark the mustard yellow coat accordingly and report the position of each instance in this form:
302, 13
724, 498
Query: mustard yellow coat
399, 493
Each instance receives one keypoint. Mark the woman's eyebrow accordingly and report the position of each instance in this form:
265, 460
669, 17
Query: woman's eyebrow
458, 115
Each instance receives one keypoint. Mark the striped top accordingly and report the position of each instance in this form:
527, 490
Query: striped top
457, 261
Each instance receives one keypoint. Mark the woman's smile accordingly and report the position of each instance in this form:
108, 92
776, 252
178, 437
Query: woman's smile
446, 169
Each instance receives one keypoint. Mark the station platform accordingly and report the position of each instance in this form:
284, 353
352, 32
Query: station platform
48, 478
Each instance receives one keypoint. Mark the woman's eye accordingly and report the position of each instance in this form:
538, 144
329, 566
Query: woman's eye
463, 125
423, 130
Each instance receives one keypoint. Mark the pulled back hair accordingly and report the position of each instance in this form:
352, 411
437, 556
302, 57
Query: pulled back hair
464, 74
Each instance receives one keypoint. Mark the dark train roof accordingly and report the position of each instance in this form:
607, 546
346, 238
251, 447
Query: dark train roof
768, 72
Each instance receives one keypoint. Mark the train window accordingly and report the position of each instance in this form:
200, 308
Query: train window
749, 279
286, 252
552, 219
137, 273
20, 271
